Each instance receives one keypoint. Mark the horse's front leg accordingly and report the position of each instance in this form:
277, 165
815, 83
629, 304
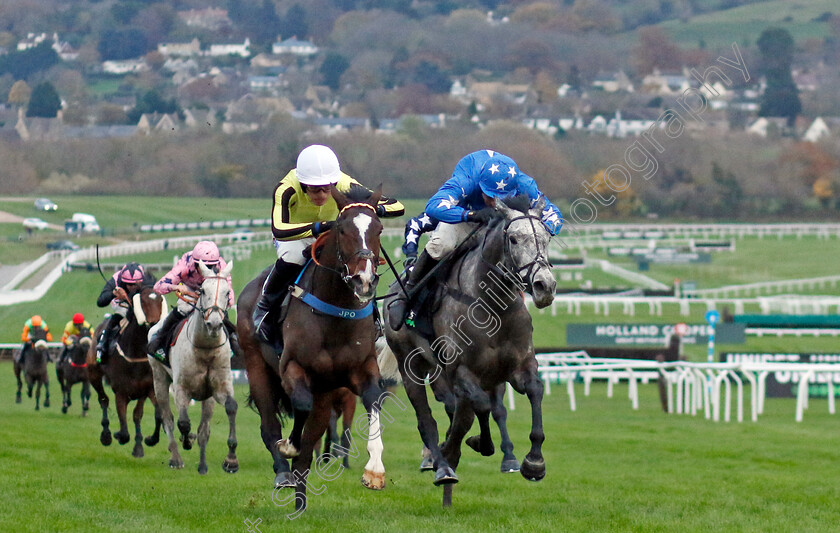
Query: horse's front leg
264, 389
46, 389
204, 433
138, 436
154, 438
122, 435
372, 398
528, 382
96, 383
182, 401
161, 379
296, 384
316, 424
37, 395
497, 402
225, 397
19, 384
85, 397
414, 369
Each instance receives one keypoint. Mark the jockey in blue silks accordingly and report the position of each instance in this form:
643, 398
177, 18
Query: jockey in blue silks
478, 180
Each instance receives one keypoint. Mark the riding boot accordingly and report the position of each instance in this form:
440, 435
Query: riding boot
398, 307
273, 289
233, 336
105, 338
157, 346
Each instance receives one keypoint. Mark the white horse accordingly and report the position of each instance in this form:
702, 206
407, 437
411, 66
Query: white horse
200, 359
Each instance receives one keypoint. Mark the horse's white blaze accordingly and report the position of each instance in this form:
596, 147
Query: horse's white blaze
374, 445
362, 223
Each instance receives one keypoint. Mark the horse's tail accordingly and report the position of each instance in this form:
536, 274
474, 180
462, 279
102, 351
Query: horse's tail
388, 367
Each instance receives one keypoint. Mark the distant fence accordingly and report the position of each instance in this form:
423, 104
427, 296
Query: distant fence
764, 287
708, 231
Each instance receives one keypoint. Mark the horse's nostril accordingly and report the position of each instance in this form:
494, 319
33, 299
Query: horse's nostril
540, 286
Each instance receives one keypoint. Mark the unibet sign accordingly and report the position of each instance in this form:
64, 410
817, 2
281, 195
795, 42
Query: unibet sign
650, 334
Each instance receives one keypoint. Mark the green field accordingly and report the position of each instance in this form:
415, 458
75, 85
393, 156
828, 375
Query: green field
744, 24
609, 469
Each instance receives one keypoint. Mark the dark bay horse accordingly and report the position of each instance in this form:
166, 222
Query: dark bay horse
73, 369
127, 370
34, 370
326, 347
484, 339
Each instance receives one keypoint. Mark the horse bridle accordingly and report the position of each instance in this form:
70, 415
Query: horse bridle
539, 261
365, 254
207, 311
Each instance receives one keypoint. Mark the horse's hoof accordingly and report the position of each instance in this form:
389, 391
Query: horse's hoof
509, 466
64, 409
287, 449
202, 469
474, 442
427, 464
151, 441
188, 441
46, 403
122, 438
17, 398
533, 470
138, 452
284, 480
373, 480
105, 439
231, 466
445, 476
176, 464
37, 408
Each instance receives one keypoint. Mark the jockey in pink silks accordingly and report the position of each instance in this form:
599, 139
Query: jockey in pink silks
186, 278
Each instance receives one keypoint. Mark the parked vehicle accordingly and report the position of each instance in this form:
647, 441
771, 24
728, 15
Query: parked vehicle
45, 204
34, 223
62, 245
81, 222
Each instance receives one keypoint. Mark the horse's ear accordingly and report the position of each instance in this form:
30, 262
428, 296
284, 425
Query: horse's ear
226, 271
204, 269
538, 208
502, 208
339, 197
376, 196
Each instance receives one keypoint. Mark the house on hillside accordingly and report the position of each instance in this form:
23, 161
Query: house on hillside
231, 49
183, 49
200, 118
666, 83
631, 122
39, 129
124, 66
158, 122
769, 126
295, 47
613, 82
486, 91
822, 128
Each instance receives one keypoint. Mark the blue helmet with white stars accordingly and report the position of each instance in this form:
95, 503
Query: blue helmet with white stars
498, 177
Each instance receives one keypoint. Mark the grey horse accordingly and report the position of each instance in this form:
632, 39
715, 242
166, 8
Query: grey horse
200, 359
484, 338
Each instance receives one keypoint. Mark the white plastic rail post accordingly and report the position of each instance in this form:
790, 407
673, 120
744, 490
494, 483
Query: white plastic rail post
570, 387
830, 393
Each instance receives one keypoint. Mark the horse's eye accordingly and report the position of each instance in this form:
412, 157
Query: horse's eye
513, 241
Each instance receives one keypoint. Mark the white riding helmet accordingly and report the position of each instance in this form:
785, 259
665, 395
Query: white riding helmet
317, 165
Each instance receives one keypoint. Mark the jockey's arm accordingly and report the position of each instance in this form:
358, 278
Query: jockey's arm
443, 206
69, 329
414, 228
550, 216
386, 208
24, 336
282, 228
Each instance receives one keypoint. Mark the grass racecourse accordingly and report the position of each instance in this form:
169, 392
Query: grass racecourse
609, 468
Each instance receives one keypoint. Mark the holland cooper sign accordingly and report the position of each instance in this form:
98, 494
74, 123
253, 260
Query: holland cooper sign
649, 334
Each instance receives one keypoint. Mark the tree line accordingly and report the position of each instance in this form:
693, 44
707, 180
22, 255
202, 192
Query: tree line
732, 177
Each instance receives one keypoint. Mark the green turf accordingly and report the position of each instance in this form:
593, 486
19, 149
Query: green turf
609, 468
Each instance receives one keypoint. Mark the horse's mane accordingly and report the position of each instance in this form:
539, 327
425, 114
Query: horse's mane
520, 202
